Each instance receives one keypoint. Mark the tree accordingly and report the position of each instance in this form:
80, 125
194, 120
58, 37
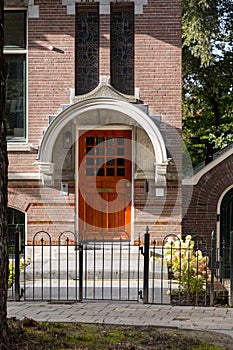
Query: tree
3, 197
199, 28
207, 76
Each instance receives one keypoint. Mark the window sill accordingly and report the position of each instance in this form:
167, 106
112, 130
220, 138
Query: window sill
19, 147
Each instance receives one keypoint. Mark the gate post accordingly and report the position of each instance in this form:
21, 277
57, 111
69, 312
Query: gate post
80, 272
231, 268
212, 269
146, 266
17, 264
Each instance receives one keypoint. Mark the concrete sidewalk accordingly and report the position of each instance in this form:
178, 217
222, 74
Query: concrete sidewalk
187, 317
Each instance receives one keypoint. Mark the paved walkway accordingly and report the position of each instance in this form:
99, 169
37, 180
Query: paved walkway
188, 317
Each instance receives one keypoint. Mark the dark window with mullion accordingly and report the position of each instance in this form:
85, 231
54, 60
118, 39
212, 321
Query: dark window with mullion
15, 45
15, 96
122, 47
15, 30
86, 48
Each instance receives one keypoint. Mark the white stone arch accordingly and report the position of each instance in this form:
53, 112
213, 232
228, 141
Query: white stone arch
100, 103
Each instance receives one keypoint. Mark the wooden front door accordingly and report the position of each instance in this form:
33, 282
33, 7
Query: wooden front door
105, 176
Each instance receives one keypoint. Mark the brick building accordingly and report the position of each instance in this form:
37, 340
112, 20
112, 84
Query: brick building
208, 201
94, 116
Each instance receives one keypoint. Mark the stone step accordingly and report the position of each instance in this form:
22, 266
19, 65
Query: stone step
126, 262
99, 271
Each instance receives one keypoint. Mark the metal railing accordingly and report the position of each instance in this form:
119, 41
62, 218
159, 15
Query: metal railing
178, 271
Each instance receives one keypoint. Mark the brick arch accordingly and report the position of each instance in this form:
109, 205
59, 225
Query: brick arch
201, 216
17, 202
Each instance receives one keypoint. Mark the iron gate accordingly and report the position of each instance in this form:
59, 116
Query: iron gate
65, 270
173, 271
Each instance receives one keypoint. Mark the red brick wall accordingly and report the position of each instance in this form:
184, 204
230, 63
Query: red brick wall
21, 162
45, 208
158, 76
158, 58
161, 214
50, 73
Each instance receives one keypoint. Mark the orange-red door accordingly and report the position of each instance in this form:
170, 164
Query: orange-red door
105, 176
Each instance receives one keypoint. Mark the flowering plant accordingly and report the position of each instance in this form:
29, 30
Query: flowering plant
186, 265
11, 270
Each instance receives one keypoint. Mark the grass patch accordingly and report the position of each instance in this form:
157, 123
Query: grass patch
28, 334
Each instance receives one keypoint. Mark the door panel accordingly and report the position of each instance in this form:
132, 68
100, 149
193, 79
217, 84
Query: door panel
105, 181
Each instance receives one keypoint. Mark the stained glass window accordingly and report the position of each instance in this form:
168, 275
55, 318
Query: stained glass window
87, 48
122, 47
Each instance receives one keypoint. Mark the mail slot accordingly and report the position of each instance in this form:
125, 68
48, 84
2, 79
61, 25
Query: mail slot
101, 190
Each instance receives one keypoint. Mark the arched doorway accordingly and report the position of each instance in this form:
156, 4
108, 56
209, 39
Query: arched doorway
109, 145
15, 218
226, 226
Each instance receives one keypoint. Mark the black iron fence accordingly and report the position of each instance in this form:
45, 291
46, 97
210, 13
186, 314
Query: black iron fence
68, 270
178, 271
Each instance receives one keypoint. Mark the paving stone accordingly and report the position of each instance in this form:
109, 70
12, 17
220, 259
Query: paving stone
199, 318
